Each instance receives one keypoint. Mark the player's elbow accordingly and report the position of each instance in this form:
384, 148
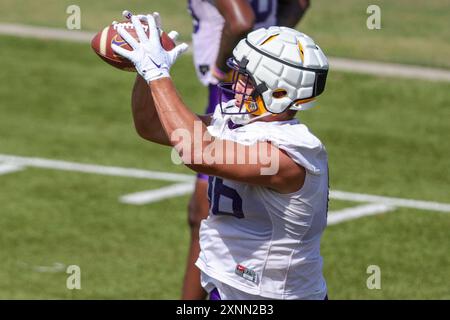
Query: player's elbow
142, 131
145, 133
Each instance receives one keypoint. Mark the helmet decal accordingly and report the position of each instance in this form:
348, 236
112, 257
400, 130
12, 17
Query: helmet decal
270, 38
302, 53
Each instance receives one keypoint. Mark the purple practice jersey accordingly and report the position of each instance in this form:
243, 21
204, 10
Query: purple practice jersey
208, 25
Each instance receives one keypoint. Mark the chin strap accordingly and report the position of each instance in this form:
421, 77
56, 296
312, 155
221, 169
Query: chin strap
246, 119
303, 104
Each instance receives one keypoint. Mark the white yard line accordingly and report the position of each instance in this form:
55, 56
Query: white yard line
396, 202
389, 69
335, 217
6, 168
149, 196
339, 64
57, 267
97, 169
27, 31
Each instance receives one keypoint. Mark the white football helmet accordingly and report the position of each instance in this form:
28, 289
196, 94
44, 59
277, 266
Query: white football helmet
284, 66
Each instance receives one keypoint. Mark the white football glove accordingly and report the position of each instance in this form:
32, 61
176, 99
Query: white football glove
150, 59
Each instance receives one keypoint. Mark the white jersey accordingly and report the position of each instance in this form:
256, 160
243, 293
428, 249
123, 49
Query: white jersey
208, 25
261, 242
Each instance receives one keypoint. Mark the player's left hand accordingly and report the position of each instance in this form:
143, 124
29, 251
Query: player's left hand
151, 60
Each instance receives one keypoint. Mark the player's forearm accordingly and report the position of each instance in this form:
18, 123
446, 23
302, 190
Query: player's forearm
290, 12
239, 20
229, 40
176, 119
145, 117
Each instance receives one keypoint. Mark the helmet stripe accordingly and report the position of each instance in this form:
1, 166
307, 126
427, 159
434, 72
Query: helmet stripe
282, 61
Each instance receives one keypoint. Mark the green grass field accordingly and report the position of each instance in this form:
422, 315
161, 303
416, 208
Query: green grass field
384, 136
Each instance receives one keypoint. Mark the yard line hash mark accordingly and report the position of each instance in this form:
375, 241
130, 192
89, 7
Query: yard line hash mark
150, 196
373, 204
338, 216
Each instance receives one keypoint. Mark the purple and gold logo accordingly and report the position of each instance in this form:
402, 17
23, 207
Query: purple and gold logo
118, 42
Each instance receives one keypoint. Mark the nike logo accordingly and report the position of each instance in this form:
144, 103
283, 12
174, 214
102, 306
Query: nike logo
157, 65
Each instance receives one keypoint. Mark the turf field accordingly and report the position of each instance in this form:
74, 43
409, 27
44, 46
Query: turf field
385, 136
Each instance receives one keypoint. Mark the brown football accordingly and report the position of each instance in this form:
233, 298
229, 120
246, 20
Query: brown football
102, 41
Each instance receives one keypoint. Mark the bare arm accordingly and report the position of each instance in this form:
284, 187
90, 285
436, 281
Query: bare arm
290, 12
239, 20
285, 175
146, 120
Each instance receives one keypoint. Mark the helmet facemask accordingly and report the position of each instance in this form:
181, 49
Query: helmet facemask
242, 90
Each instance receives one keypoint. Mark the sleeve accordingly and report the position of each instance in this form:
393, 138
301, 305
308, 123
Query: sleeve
295, 139
302, 146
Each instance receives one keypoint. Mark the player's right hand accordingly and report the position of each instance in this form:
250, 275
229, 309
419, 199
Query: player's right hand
151, 60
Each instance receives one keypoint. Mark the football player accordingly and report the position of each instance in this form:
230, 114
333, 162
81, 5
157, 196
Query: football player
218, 27
261, 239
